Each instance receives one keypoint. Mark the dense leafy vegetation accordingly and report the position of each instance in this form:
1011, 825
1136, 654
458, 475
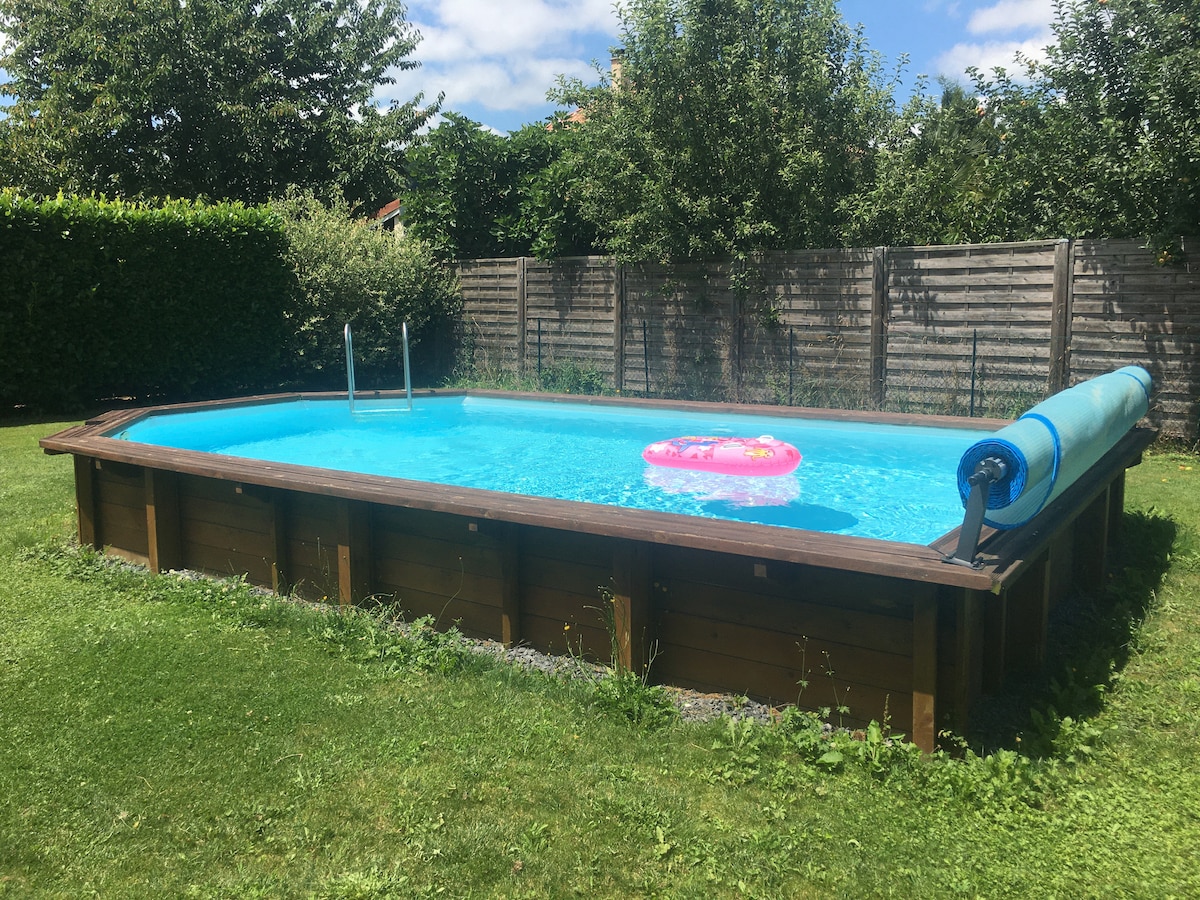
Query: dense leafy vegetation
177, 300
474, 193
109, 299
220, 99
726, 127
1102, 139
347, 272
730, 126
739, 125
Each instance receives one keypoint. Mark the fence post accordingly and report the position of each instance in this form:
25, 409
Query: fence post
737, 351
619, 328
879, 311
522, 330
1060, 315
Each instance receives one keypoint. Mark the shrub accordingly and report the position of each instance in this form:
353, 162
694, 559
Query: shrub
348, 272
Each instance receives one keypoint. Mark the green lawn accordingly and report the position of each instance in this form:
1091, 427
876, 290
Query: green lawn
164, 737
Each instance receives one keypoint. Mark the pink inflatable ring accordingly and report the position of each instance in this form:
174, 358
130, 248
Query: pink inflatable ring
725, 455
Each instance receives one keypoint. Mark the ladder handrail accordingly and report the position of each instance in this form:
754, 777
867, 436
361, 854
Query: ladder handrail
349, 366
350, 387
407, 375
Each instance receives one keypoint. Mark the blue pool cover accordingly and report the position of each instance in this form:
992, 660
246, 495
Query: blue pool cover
1054, 443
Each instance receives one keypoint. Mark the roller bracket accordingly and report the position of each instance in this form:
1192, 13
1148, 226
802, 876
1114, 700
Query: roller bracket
987, 472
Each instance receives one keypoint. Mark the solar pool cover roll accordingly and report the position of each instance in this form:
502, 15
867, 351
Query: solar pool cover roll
1054, 443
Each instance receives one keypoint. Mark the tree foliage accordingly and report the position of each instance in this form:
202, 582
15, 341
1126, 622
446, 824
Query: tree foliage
732, 126
1101, 139
940, 176
1124, 88
220, 99
473, 193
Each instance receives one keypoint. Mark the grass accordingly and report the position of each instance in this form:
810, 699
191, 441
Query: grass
169, 737
566, 377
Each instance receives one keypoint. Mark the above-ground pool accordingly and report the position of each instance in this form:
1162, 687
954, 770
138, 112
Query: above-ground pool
513, 516
888, 481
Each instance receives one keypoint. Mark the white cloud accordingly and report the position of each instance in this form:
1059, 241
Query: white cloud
516, 26
499, 85
1025, 24
941, 7
1012, 15
990, 55
503, 56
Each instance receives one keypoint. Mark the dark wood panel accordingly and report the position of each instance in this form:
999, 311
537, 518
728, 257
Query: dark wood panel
442, 580
560, 605
227, 562
835, 622
472, 619
550, 636
306, 510
812, 657
123, 486
469, 558
251, 515
580, 578
834, 587
687, 667
315, 554
227, 536
123, 527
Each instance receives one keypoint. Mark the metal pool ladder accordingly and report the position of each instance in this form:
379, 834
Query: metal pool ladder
350, 376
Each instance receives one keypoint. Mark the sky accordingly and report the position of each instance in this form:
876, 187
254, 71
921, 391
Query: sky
495, 61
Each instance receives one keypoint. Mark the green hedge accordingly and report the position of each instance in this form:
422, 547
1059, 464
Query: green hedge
179, 300
103, 299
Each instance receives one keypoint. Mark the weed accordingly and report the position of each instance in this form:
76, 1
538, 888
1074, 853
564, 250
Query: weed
839, 703
557, 377
399, 646
618, 690
570, 377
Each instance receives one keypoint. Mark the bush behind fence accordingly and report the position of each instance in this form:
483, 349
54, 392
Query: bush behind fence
989, 329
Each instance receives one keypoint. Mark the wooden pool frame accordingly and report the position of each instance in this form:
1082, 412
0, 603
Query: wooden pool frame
886, 629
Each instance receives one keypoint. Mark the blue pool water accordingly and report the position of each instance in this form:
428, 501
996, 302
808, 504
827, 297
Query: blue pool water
890, 482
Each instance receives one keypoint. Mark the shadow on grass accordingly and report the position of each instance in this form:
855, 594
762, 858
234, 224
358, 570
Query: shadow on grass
1089, 641
19, 416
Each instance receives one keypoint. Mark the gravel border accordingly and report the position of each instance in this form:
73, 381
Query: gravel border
693, 706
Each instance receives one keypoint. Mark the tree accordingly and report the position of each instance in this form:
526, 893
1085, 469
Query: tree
732, 126
549, 220
1124, 79
940, 176
1102, 139
473, 193
221, 99
349, 272
458, 187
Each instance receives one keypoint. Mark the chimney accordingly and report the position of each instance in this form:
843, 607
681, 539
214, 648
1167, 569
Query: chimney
616, 69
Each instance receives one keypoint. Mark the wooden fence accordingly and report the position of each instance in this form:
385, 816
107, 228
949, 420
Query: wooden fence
988, 328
